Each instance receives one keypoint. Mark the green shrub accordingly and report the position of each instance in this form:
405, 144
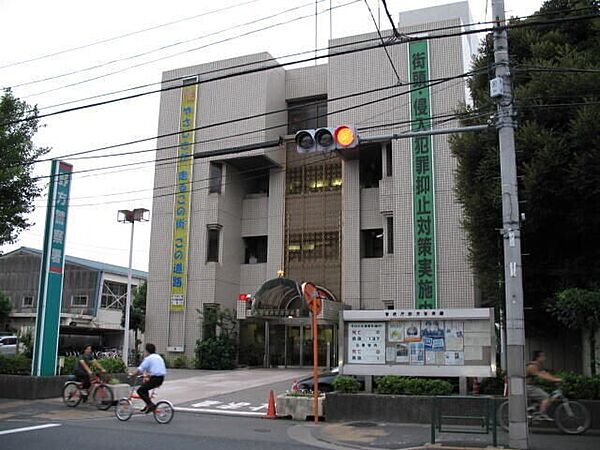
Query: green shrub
396, 385
15, 365
180, 362
111, 365
216, 353
575, 386
346, 384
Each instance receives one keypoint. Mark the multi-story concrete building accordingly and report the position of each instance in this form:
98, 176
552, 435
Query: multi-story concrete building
94, 296
376, 229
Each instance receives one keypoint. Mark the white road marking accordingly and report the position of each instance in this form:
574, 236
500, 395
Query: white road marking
220, 411
37, 427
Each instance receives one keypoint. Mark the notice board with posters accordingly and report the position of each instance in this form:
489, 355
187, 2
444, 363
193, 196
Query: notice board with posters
433, 342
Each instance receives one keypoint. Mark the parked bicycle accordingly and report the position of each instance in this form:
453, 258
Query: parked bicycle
99, 393
127, 406
570, 417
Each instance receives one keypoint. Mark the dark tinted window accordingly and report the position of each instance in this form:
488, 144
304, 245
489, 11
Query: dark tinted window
216, 178
371, 244
256, 250
212, 253
307, 114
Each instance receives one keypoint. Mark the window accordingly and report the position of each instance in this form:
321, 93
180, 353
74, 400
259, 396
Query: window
256, 250
212, 250
256, 181
27, 301
390, 235
388, 159
114, 295
215, 176
311, 178
79, 300
371, 243
307, 114
370, 166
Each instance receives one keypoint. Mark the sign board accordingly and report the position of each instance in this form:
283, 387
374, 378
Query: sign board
450, 342
424, 239
183, 198
51, 271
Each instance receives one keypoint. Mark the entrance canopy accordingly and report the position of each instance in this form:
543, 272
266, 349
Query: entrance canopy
282, 297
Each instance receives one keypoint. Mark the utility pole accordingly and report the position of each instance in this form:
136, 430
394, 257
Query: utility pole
513, 276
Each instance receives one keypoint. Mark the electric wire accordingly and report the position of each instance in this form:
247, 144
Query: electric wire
399, 81
121, 36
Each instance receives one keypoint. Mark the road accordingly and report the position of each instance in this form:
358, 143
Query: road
186, 431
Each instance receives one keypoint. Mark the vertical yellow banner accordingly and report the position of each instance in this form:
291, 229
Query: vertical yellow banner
183, 198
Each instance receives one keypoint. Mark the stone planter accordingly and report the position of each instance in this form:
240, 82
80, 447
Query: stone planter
298, 408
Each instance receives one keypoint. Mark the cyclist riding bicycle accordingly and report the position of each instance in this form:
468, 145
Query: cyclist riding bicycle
82, 370
535, 371
154, 366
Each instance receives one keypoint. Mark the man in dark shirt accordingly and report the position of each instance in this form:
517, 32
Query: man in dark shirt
82, 369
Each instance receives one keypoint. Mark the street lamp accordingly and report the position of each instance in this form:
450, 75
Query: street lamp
127, 216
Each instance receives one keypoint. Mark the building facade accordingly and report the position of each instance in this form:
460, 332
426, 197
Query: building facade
242, 214
94, 297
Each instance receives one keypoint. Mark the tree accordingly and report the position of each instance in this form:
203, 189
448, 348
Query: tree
18, 188
137, 313
5, 309
558, 163
579, 309
218, 348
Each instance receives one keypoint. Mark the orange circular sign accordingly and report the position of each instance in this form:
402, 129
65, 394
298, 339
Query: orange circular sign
312, 297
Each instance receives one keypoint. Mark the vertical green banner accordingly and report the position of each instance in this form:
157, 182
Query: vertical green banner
51, 272
183, 198
422, 179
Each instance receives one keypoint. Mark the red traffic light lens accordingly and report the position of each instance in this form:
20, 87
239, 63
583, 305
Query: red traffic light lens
344, 136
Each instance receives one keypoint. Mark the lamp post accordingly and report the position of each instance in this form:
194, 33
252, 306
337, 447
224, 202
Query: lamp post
127, 216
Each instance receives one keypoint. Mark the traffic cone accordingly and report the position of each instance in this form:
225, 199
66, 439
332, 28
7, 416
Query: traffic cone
271, 412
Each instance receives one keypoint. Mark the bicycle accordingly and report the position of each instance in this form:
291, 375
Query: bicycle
99, 393
126, 406
570, 417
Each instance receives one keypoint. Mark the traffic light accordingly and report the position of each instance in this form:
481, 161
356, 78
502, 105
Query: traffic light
326, 139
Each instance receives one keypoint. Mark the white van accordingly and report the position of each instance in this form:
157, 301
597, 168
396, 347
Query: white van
8, 345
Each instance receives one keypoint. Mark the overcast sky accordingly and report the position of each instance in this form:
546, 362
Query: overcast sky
36, 28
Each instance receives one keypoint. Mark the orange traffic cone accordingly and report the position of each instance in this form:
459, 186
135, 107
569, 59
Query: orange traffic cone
271, 412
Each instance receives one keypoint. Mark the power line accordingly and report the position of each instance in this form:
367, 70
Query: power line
384, 46
121, 36
389, 16
433, 82
99, 77
278, 65
461, 26
319, 160
138, 55
451, 27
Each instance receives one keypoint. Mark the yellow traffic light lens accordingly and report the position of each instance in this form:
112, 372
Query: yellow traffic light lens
344, 136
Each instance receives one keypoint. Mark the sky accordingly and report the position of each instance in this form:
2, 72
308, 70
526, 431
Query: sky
40, 40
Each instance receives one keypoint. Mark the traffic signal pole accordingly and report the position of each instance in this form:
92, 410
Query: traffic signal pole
513, 281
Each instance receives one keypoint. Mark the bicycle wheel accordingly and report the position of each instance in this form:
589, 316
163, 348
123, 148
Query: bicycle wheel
502, 415
124, 409
572, 418
103, 397
164, 412
71, 394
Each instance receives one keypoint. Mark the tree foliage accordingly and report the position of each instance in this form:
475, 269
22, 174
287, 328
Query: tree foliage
558, 157
137, 314
579, 309
5, 309
18, 189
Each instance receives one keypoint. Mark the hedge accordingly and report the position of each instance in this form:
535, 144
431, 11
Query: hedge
346, 384
111, 365
15, 365
575, 386
397, 385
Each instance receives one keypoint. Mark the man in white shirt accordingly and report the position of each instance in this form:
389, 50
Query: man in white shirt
154, 366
